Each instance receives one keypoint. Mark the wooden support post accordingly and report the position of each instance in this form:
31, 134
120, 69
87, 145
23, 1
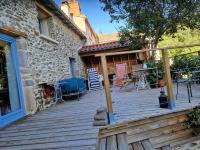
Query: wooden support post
107, 89
157, 78
168, 79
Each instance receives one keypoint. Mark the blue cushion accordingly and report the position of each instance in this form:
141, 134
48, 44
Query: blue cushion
72, 85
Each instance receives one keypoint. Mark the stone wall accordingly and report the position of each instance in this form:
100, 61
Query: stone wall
46, 59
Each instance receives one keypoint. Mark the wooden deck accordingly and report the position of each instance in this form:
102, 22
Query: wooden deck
69, 125
162, 132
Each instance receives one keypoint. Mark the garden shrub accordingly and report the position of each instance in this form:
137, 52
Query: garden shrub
194, 120
152, 74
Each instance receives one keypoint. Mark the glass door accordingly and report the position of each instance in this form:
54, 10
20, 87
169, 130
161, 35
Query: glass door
11, 97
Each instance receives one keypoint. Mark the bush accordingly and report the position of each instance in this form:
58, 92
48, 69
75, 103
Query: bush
152, 74
194, 120
185, 62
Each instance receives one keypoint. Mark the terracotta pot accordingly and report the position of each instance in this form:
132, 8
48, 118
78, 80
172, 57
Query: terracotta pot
161, 83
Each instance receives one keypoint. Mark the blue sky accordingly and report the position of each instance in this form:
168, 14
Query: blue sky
99, 19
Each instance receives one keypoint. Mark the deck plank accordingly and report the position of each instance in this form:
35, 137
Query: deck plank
111, 143
130, 147
102, 144
69, 125
122, 141
137, 146
147, 145
166, 147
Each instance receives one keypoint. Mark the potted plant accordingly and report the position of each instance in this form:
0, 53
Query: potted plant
194, 120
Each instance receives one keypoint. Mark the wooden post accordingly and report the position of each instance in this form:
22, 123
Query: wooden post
107, 89
168, 79
157, 82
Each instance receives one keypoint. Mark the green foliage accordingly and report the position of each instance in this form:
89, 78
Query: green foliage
185, 37
186, 62
150, 19
152, 74
136, 42
194, 120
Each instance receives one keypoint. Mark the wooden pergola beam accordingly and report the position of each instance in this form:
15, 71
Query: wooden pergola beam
198, 52
145, 50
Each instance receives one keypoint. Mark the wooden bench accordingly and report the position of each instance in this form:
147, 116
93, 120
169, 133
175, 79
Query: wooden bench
158, 132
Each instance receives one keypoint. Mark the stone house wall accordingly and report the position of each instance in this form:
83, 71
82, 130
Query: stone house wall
42, 60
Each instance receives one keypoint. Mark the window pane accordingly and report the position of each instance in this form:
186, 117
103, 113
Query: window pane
44, 27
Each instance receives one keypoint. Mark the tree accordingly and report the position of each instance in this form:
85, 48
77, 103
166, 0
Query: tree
149, 20
186, 37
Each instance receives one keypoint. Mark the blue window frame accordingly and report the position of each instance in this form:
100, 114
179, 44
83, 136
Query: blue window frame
14, 115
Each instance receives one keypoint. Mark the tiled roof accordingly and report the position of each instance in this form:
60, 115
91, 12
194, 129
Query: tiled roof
102, 47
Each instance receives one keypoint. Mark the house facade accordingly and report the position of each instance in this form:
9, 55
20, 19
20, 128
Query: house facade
72, 9
38, 45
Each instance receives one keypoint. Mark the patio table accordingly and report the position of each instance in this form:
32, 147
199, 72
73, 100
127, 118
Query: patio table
182, 80
142, 83
187, 81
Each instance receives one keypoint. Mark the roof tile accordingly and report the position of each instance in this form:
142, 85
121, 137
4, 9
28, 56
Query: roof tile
102, 47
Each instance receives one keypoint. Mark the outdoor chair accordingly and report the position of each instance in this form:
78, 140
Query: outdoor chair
94, 79
121, 77
181, 77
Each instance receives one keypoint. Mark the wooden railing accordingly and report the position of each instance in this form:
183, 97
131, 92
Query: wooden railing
164, 130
